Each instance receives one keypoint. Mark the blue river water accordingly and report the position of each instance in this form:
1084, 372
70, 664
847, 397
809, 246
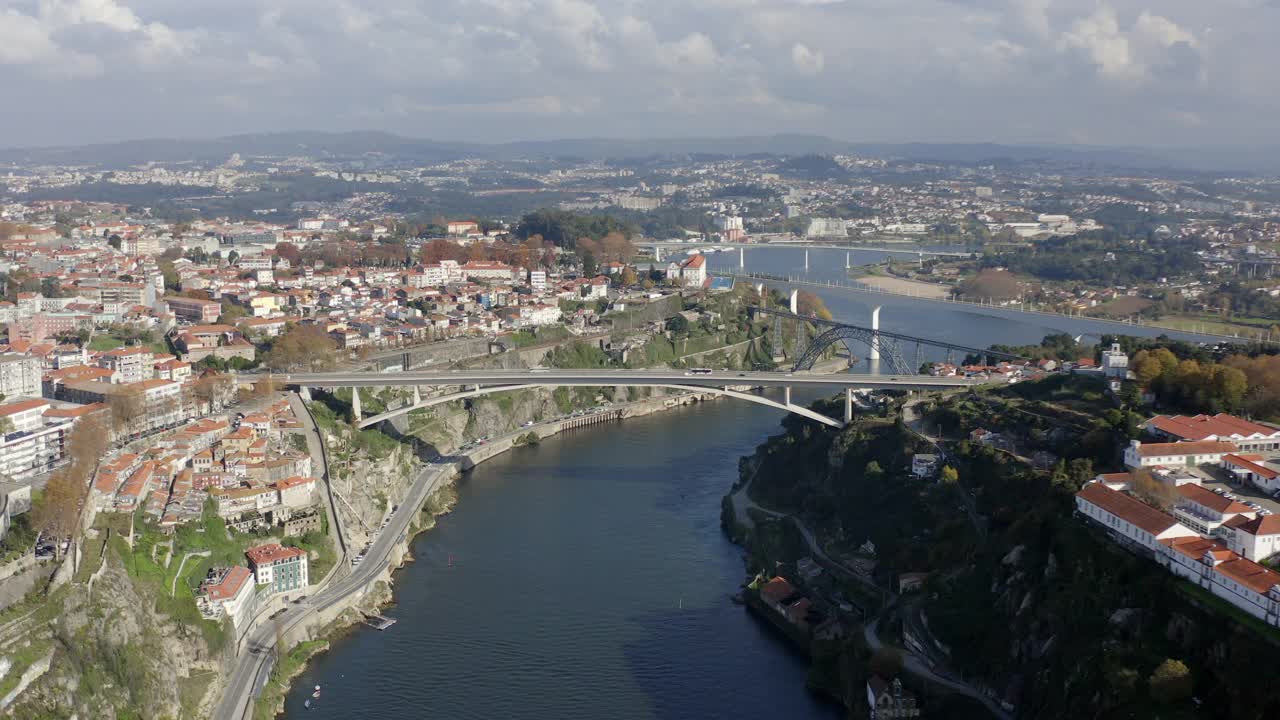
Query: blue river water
588, 577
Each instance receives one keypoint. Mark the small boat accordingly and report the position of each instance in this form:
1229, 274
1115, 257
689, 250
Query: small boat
315, 694
306, 704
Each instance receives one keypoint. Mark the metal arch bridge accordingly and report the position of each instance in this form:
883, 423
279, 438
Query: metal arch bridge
483, 382
883, 344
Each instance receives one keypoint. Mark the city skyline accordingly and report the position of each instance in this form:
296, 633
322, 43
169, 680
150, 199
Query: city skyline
1114, 73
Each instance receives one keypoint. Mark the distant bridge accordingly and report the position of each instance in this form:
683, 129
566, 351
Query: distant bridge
674, 250
883, 345
483, 382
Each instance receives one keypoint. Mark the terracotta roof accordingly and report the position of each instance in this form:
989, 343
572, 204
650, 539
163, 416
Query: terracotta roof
1249, 573
1193, 547
267, 554
1133, 511
777, 590
14, 408
1246, 462
230, 585
1199, 427
1212, 500
1204, 447
1261, 525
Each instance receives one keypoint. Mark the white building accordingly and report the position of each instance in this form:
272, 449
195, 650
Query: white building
19, 375
1127, 518
1255, 538
826, 227
1205, 511
1238, 580
229, 592
1247, 436
35, 441
538, 280
1115, 363
924, 465
693, 272
130, 365
1142, 455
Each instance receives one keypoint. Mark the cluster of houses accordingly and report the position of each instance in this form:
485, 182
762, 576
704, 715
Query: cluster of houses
254, 478
1209, 537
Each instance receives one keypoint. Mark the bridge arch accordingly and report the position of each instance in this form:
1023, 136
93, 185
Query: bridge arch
724, 392
849, 334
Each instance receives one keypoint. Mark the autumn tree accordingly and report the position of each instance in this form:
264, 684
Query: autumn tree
628, 277
1151, 489
949, 475
290, 252
57, 512
1171, 682
810, 304
302, 347
127, 407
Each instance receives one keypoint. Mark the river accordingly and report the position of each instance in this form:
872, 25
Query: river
588, 577
583, 578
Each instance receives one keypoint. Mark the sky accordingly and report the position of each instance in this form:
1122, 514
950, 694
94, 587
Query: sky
1099, 72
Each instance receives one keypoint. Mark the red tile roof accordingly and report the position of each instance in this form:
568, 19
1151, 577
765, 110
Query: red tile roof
1199, 427
1211, 500
1204, 447
1249, 573
1261, 525
268, 554
1135, 512
1245, 462
230, 585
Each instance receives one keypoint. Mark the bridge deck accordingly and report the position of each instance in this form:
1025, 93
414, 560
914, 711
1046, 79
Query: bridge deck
716, 379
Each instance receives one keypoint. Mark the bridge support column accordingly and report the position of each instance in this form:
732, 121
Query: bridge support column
355, 404
657, 253
786, 396
742, 257
847, 265
806, 260
795, 302
304, 392
875, 336
417, 395
760, 289
848, 405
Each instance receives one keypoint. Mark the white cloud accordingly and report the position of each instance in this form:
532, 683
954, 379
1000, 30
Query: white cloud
806, 61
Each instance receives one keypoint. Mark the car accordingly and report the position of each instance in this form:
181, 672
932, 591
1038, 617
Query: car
742, 374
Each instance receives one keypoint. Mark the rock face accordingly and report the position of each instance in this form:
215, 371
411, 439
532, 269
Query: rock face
115, 656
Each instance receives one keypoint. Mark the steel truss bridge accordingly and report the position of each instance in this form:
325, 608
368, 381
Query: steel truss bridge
884, 345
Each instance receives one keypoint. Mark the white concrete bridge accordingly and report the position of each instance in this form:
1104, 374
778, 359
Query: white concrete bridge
475, 383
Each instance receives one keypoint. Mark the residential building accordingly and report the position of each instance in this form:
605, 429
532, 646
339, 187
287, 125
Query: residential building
228, 592
1145, 455
130, 365
693, 272
538, 281
1238, 580
296, 492
19, 375
194, 310
36, 439
281, 569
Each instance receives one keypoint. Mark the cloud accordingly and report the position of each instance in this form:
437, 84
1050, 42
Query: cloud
1117, 71
806, 61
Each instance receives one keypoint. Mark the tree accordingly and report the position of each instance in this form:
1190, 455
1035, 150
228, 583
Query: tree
873, 470
1151, 489
302, 347
1147, 368
115, 241
810, 304
678, 325
1171, 682
628, 277
949, 475
290, 252
232, 257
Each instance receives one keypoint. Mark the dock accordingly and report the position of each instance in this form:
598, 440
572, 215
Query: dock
379, 622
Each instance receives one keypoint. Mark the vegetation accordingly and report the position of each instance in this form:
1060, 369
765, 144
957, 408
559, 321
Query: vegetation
1103, 258
302, 347
565, 229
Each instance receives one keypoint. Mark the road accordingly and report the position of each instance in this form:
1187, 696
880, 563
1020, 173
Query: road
252, 666
715, 379
915, 666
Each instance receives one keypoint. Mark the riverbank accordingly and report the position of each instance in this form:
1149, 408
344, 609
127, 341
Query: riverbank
351, 608
916, 288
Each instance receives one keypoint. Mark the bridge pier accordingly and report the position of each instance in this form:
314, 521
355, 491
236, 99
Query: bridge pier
875, 336
657, 253
795, 302
786, 396
847, 265
742, 257
355, 404
806, 260
848, 405
417, 395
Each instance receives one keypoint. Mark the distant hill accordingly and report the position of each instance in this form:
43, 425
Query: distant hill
354, 145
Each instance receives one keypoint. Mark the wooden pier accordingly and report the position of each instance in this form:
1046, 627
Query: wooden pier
379, 622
